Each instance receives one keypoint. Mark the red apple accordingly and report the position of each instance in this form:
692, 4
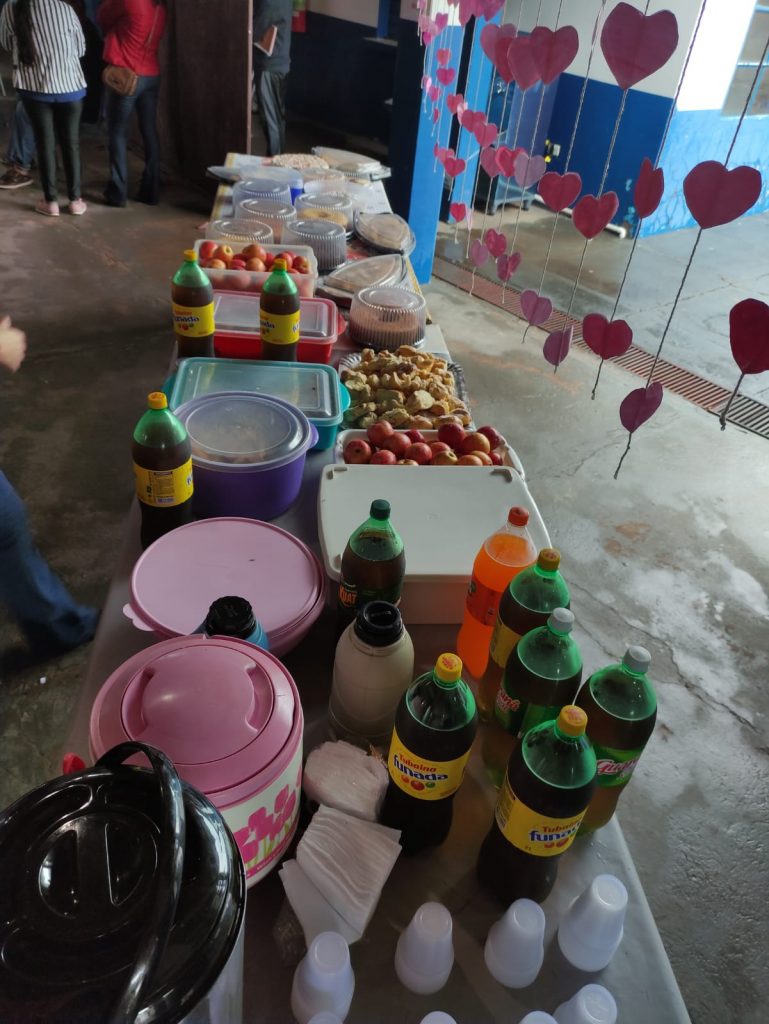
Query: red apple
379, 432
236, 264
301, 264
207, 250
216, 265
240, 281
357, 451
383, 458
253, 252
420, 453
451, 434
469, 460
269, 259
224, 252
397, 443
448, 458
288, 257
256, 265
475, 443
439, 446
494, 437
415, 436
496, 458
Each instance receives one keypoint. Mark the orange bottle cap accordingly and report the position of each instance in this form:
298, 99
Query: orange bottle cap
279, 265
190, 255
572, 721
157, 400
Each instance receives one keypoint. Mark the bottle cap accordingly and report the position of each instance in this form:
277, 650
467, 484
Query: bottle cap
549, 559
637, 659
379, 624
518, 515
230, 616
561, 620
448, 668
190, 256
572, 721
157, 400
380, 509
279, 264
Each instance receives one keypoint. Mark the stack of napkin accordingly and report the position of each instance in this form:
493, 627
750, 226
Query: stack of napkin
344, 776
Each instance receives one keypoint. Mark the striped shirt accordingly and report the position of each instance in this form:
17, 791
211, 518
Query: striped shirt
59, 44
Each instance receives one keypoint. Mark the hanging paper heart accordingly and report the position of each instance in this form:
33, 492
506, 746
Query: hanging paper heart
466, 11
455, 101
507, 264
521, 59
436, 114
489, 37
434, 93
636, 45
559, 190
648, 188
640, 405
440, 152
479, 253
749, 335
454, 165
536, 308
458, 211
557, 345
426, 82
717, 196
446, 75
528, 170
444, 56
468, 118
506, 158
495, 241
489, 162
606, 338
441, 21
591, 215
490, 8
486, 133
507, 33
552, 51
427, 37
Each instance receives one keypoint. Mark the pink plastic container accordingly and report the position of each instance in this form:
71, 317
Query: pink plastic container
228, 715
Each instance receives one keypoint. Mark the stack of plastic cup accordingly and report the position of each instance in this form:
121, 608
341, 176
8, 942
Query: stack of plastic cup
323, 981
538, 1017
437, 1017
515, 947
274, 215
327, 240
593, 1004
593, 926
425, 952
261, 188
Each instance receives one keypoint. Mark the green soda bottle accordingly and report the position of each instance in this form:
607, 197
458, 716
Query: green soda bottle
525, 604
543, 674
548, 784
622, 708
373, 564
162, 458
192, 301
279, 311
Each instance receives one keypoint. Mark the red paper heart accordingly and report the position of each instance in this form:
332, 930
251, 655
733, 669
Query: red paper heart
446, 75
436, 115
458, 211
444, 56
440, 152
485, 133
507, 265
717, 196
489, 161
520, 57
455, 101
507, 33
441, 21
591, 215
640, 405
559, 190
536, 308
466, 11
648, 188
489, 37
506, 158
749, 335
479, 253
552, 51
434, 93
607, 339
557, 345
527, 170
469, 118
489, 8
636, 45
454, 165
495, 241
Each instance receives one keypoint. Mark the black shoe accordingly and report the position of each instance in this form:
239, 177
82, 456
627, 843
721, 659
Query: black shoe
119, 203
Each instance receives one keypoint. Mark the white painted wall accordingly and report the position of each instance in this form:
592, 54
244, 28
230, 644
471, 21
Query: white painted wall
362, 12
715, 54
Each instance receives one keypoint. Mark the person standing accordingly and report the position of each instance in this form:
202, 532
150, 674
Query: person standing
132, 32
21, 151
271, 69
47, 42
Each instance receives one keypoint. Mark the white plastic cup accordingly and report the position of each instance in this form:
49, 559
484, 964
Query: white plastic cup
438, 1017
515, 947
593, 1004
538, 1017
323, 981
592, 928
424, 955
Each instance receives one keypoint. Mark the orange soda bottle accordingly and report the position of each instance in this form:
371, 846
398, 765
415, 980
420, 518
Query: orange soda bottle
503, 555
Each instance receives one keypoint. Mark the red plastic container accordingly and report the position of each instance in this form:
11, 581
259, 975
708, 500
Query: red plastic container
237, 327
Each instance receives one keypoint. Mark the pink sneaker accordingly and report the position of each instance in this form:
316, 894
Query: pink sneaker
46, 208
78, 207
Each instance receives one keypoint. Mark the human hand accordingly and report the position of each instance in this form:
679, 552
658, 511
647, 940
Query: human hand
13, 345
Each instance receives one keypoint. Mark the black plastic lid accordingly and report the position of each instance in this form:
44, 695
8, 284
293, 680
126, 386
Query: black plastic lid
230, 616
380, 509
79, 859
378, 624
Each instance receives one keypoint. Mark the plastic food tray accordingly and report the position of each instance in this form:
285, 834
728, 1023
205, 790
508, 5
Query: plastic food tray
253, 281
236, 316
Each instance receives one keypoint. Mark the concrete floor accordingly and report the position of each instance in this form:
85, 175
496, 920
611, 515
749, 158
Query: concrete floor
672, 555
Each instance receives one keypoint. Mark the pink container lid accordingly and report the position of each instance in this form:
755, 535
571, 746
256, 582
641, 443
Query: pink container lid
177, 578
228, 714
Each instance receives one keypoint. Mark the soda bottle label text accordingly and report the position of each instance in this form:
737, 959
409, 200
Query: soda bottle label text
482, 602
193, 321
615, 766
421, 777
509, 711
279, 328
529, 830
351, 596
503, 640
164, 488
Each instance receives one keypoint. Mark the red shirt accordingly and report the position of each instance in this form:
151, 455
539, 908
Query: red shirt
127, 25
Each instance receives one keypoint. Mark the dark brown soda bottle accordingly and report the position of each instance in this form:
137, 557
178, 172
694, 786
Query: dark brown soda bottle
162, 458
549, 781
192, 301
373, 564
279, 312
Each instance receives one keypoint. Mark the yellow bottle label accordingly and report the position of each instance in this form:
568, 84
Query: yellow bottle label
422, 777
503, 640
279, 328
531, 831
193, 321
164, 488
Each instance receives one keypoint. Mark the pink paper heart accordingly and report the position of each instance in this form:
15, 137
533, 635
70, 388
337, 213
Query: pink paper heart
446, 75
440, 152
557, 345
591, 215
485, 133
527, 170
436, 114
441, 21
536, 308
479, 254
458, 211
506, 158
717, 196
455, 101
648, 188
489, 162
495, 241
559, 190
507, 264
749, 335
466, 11
489, 37
444, 56
507, 33
454, 165
434, 93
426, 82
520, 57
427, 38
491, 8
640, 405
553, 52
636, 45
607, 339
467, 118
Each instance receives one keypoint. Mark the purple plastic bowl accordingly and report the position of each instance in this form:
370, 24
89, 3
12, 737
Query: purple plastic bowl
264, 482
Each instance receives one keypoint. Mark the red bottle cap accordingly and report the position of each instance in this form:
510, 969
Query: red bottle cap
518, 516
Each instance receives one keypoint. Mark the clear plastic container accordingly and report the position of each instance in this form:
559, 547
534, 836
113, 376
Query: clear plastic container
386, 232
323, 179
284, 175
261, 188
240, 230
388, 269
253, 280
275, 215
336, 207
386, 318
327, 240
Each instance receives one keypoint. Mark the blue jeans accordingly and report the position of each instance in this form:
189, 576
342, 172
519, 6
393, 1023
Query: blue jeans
21, 147
119, 112
49, 617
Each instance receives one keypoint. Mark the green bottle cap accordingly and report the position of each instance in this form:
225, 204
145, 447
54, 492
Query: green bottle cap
380, 509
